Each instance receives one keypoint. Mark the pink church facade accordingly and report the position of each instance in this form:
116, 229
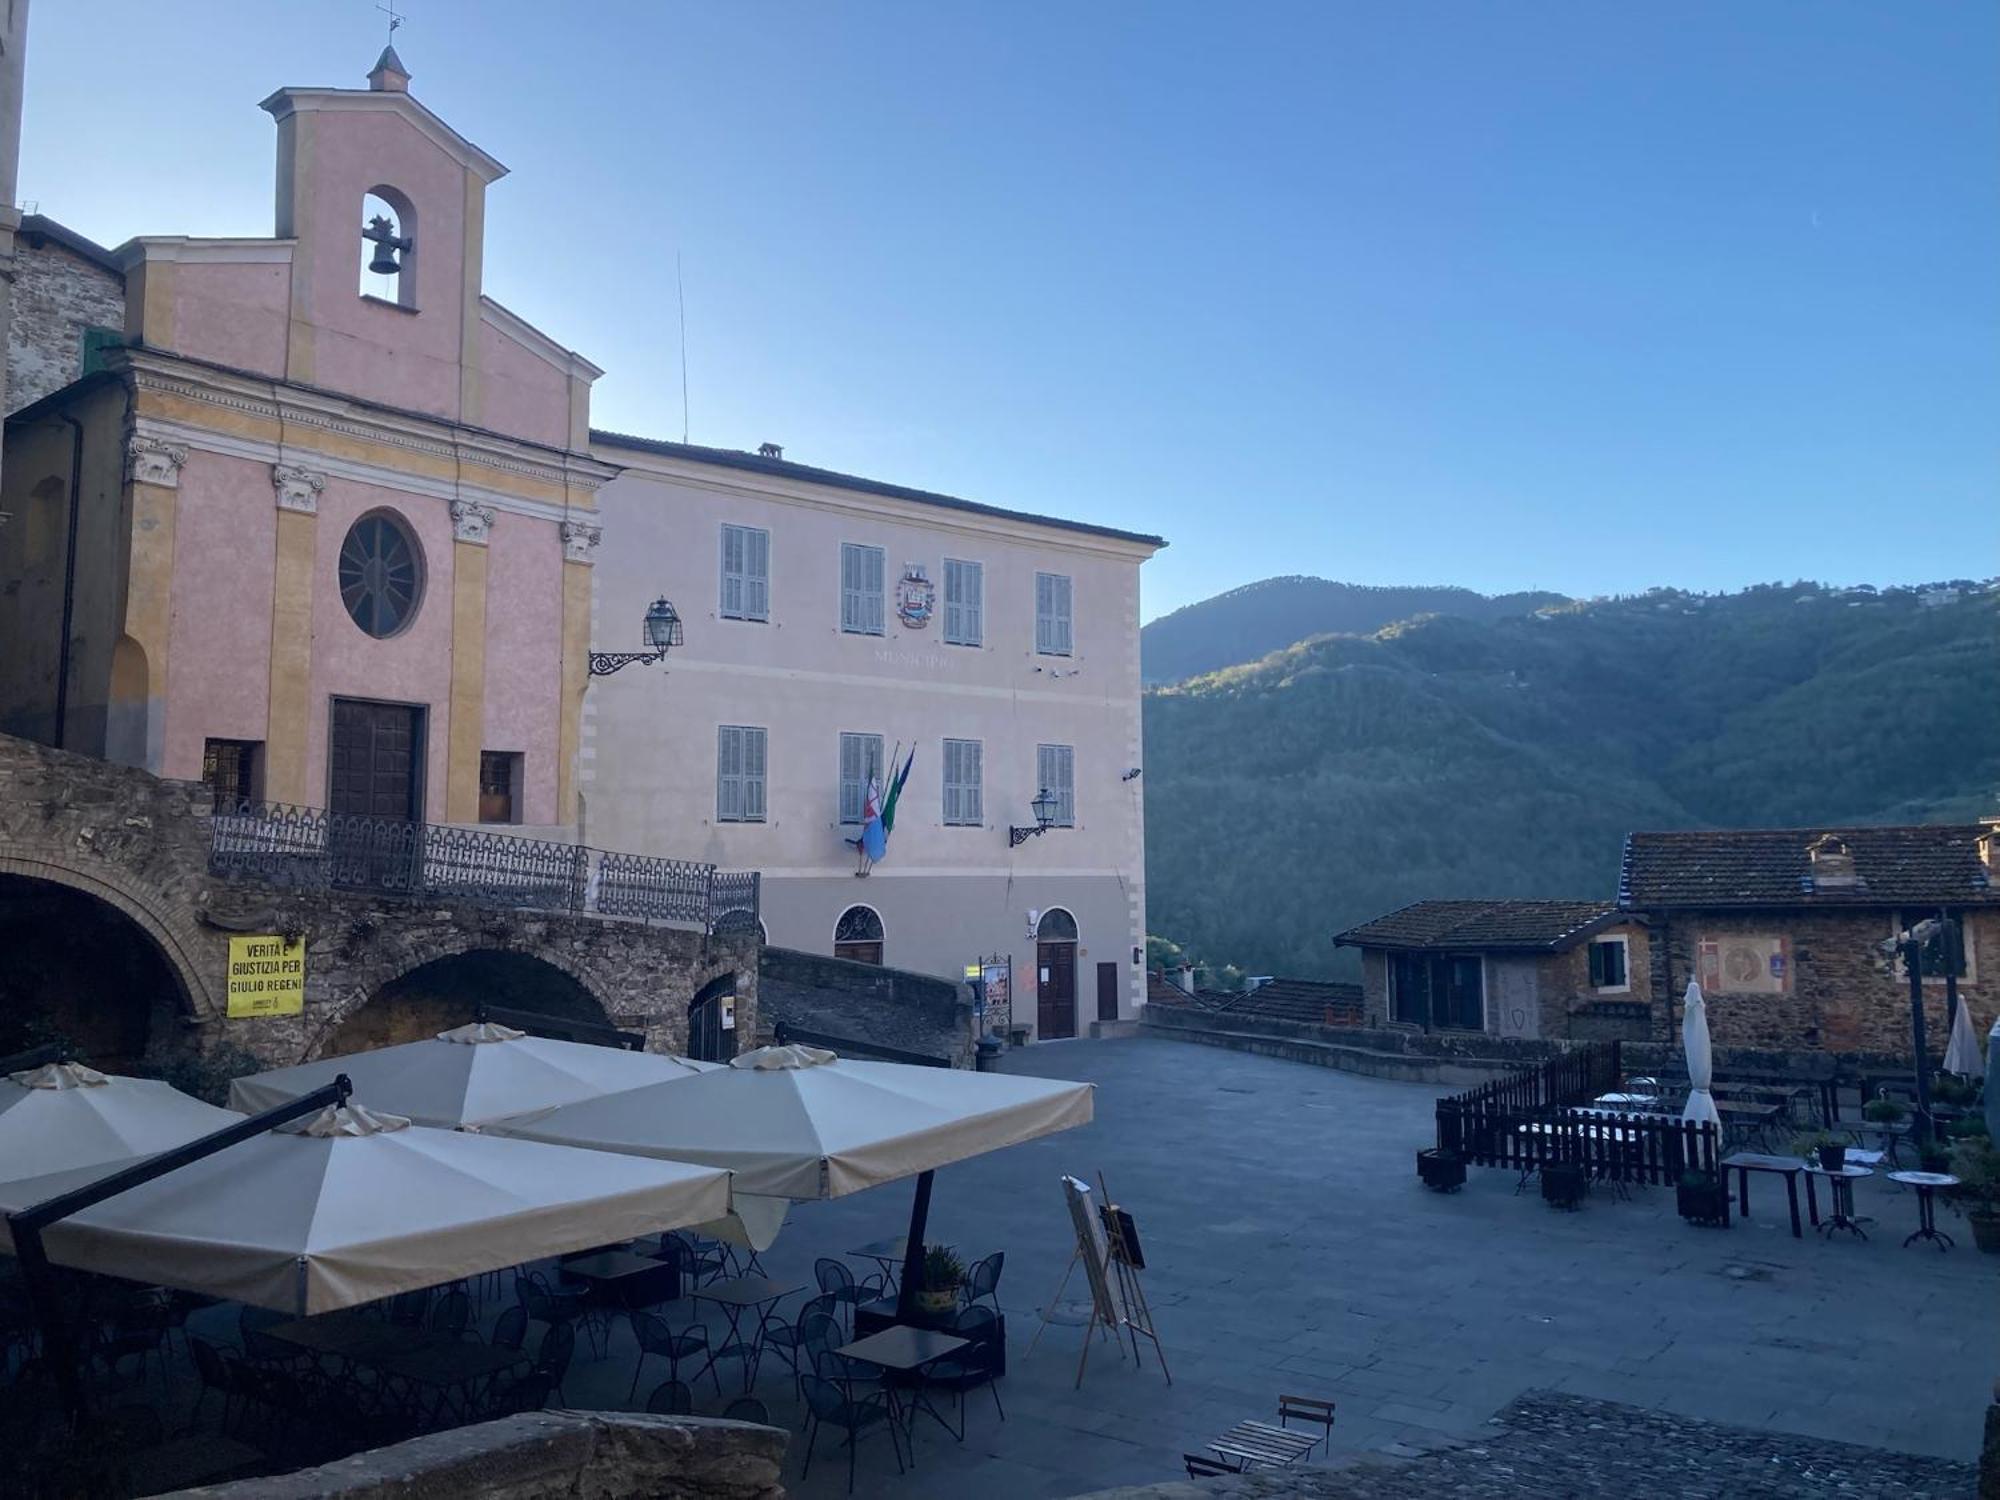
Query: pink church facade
333, 532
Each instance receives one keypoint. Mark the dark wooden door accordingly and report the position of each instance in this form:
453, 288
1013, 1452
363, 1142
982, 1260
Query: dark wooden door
376, 751
1107, 992
1055, 990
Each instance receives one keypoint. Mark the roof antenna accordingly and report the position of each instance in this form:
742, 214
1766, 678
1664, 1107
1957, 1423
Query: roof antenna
680, 296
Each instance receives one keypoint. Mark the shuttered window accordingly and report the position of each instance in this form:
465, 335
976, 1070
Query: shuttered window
861, 611
860, 759
1053, 636
739, 774
746, 573
1055, 771
964, 603
964, 792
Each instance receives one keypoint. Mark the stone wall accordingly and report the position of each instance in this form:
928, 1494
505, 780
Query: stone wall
139, 843
548, 1455
57, 294
869, 1002
1842, 995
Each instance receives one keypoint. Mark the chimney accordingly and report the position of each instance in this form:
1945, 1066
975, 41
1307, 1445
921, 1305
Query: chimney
1184, 979
389, 76
771, 450
1832, 864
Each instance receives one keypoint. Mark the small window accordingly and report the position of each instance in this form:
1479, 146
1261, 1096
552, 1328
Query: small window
1607, 964
230, 768
746, 573
1053, 635
1438, 991
739, 774
1055, 771
381, 574
857, 936
964, 794
861, 599
860, 763
964, 603
499, 786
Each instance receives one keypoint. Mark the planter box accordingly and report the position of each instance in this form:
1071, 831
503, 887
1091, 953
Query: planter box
1563, 1185
1441, 1173
1703, 1203
1985, 1231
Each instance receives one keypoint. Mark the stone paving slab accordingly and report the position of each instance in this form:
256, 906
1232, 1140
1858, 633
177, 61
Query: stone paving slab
1547, 1445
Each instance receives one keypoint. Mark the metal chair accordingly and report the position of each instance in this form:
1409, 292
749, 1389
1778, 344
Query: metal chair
982, 1280
670, 1398
214, 1374
839, 1282
697, 1265
747, 1409
510, 1329
974, 1365
1307, 1409
787, 1340
407, 1309
553, 1354
836, 1405
818, 1336
451, 1315
655, 1337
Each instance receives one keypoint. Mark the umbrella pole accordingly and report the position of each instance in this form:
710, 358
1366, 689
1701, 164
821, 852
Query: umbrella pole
25, 1226
913, 1250
1913, 961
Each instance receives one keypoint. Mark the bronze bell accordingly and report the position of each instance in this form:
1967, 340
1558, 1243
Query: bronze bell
387, 243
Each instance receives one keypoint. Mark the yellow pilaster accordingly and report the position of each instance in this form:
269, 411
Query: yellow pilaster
291, 660
468, 682
139, 661
575, 678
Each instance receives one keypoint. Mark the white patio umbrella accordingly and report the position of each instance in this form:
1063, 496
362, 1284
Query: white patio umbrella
64, 1115
1961, 1053
350, 1206
1701, 1062
800, 1122
470, 1075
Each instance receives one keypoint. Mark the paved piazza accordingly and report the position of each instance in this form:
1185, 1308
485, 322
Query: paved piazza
1290, 1247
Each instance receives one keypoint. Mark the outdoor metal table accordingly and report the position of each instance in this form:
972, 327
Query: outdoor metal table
909, 1350
734, 1297
444, 1367
1926, 1184
888, 1254
349, 1336
1260, 1445
1842, 1183
624, 1278
1743, 1163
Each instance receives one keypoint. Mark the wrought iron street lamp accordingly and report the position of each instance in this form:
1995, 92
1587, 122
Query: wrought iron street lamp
1044, 808
662, 633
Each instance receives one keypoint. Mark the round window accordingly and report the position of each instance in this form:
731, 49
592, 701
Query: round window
381, 574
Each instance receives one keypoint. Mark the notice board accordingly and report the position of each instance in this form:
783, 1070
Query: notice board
267, 976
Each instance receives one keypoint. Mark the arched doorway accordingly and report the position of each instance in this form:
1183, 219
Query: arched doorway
707, 1040
1055, 975
439, 995
77, 970
858, 935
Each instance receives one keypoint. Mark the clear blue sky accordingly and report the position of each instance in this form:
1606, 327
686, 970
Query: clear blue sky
1586, 297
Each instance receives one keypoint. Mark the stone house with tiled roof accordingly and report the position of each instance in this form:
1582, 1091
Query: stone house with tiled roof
1785, 929
1569, 969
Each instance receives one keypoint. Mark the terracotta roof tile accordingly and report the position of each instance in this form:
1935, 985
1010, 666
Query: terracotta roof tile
1485, 926
1320, 1002
1922, 865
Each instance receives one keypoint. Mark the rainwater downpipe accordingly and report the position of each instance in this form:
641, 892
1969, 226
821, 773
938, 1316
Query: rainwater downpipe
69, 573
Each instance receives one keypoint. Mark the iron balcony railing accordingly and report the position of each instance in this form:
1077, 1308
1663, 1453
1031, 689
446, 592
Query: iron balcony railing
308, 848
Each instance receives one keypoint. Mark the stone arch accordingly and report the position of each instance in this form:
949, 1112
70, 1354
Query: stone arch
1057, 925
79, 971
443, 989
177, 945
707, 1041
859, 934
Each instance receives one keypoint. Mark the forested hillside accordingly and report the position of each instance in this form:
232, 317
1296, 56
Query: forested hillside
1259, 618
1348, 774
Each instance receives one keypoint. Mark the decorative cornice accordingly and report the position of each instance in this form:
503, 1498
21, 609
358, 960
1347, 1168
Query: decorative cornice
297, 489
580, 538
149, 460
471, 521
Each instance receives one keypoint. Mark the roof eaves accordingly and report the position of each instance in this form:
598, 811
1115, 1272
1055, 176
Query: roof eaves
43, 227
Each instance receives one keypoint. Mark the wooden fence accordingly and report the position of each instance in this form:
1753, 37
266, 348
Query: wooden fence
1537, 1116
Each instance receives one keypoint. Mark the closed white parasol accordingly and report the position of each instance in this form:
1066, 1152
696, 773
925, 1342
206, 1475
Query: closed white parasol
1700, 1060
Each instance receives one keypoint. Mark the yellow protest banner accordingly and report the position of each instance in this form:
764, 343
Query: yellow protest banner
267, 976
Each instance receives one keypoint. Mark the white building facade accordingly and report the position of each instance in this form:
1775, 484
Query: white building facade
830, 620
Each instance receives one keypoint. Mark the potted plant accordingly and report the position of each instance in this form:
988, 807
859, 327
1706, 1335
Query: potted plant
944, 1274
1563, 1184
1884, 1111
1441, 1169
1933, 1155
1827, 1150
1702, 1198
1975, 1162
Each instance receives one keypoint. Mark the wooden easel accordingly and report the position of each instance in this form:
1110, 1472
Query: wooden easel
1126, 1263
1117, 1302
